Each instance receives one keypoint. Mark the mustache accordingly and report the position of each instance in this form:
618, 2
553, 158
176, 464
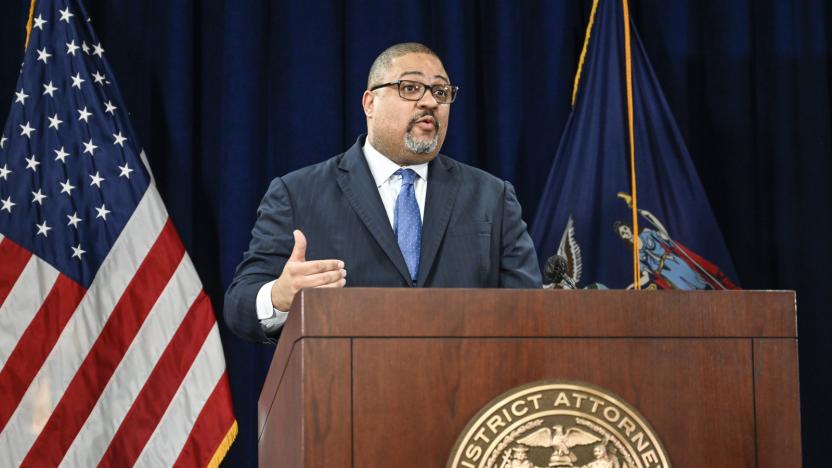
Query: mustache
422, 115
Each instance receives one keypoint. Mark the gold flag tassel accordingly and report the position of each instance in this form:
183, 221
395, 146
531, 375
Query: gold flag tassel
629, 73
29, 23
583, 52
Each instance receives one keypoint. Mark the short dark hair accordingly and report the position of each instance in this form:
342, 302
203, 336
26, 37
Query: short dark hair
384, 59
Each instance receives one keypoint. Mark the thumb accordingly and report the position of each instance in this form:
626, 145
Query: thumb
299, 251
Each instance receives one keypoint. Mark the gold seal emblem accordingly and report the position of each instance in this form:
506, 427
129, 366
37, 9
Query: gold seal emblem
558, 423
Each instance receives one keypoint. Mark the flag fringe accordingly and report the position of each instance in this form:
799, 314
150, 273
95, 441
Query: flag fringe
583, 52
224, 446
29, 24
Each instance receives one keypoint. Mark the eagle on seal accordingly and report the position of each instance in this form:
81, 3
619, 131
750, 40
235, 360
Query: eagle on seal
561, 441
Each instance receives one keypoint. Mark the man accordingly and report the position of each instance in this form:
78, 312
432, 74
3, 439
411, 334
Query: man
391, 210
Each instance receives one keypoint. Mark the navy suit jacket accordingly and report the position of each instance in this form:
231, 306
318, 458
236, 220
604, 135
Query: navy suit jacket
472, 235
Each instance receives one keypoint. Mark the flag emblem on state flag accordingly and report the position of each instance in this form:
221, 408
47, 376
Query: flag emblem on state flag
109, 346
596, 208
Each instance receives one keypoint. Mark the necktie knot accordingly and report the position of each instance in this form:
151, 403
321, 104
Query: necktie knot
408, 176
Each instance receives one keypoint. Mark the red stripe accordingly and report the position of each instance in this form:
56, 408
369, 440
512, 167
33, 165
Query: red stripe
37, 341
13, 259
107, 351
210, 427
153, 400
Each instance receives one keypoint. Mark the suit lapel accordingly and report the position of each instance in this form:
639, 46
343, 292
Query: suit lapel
443, 185
356, 182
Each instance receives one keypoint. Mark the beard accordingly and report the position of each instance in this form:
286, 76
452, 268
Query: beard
421, 146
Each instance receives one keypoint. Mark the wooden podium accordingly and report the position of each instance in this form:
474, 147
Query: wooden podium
390, 377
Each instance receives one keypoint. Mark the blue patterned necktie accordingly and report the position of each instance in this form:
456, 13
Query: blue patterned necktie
407, 223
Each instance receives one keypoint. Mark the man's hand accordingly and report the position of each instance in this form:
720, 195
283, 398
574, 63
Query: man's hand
299, 274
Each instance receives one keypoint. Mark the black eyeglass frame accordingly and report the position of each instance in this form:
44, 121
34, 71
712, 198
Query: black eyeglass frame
425, 88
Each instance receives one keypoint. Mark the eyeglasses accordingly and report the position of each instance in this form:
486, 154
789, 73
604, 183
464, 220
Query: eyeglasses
414, 90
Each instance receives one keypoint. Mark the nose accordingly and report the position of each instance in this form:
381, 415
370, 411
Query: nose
427, 101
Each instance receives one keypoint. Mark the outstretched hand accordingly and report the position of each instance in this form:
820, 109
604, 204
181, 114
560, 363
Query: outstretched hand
299, 273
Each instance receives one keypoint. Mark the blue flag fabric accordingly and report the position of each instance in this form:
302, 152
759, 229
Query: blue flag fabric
585, 211
70, 170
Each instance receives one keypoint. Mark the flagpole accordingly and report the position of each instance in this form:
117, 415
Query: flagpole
634, 205
29, 23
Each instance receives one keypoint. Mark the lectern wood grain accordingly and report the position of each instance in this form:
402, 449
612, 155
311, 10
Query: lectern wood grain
386, 377
456, 377
777, 395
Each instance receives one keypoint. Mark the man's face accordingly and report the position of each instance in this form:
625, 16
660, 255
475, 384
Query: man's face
408, 132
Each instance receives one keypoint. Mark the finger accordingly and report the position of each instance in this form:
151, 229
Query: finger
313, 281
316, 266
338, 284
299, 250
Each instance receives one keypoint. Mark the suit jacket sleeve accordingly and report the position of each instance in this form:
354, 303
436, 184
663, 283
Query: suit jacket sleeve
270, 248
518, 260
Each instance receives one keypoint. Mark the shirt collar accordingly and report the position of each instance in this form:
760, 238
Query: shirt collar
383, 168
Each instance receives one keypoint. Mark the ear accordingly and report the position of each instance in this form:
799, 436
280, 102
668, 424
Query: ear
367, 101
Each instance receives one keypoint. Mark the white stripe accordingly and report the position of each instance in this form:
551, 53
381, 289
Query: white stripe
23, 302
173, 430
83, 327
132, 373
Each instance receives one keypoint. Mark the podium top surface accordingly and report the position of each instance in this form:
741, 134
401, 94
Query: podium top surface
412, 312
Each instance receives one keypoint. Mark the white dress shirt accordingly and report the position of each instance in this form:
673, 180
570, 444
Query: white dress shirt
389, 185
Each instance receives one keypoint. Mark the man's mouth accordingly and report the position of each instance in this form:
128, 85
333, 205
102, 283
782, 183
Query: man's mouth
426, 123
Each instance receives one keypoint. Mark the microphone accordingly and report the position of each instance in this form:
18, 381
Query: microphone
555, 272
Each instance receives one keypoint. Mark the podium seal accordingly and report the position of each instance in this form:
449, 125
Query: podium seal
557, 423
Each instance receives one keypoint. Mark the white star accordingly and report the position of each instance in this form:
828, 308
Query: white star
67, 188
77, 80
32, 163
96, 179
110, 107
98, 50
85, 47
38, 197
89, 148
71, 47
98, 77
21, 96
43, 55
7, 204
119, 139
102, 212
84, 115
65, 15
78, 251
26, 130
3, 141
125, 170
60, 155
43, 229
74, 220
55, 122
5, 171
39, 22
49, 89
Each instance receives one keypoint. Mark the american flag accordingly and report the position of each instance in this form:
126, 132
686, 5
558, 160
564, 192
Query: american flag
109, 348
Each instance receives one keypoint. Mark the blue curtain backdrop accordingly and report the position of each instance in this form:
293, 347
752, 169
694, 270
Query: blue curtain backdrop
227, 94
